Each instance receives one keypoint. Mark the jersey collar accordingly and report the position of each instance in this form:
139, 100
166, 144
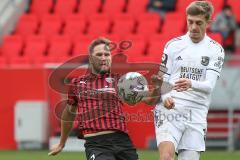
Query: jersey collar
191, 42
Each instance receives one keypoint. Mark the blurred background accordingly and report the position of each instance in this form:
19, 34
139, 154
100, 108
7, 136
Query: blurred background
38, 35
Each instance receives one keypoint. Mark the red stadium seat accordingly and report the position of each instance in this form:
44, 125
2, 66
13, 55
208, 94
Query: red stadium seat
64, 7
122, 16
156, 45
174, 15
216, 36
75, 17
98, 27
26, 61
169, 27
136, 58
134, 38
83, 38
27, 25
36, 46
47, 59
156, 49
99, 17
50, 25
41, 7
113, 37
236, 9
137, 7
138, 47
110, 7
148, 24
148, 17
12, 46
161, 38
99, 24
89, 6
75, 24
60, 46
154, 58
80, 48
123, 27
182, 4
217, 4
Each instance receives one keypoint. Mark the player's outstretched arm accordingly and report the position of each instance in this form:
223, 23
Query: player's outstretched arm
67, 120
155, 94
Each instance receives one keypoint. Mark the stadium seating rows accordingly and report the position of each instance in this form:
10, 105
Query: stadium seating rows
218, 124
61, 28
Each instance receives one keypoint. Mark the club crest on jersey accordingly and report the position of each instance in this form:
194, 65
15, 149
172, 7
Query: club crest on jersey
205, 60
109, 80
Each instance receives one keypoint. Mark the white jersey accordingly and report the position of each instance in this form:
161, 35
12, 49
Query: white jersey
185, 59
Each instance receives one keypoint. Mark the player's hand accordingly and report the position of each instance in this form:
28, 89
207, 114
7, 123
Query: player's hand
55, 149
182, 84
169, 103
157, 80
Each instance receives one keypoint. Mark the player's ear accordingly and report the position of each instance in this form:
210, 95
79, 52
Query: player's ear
90, 58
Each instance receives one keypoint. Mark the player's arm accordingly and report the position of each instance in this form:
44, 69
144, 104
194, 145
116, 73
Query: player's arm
212, 74
166, 71
67, 120
206, 86
154, 94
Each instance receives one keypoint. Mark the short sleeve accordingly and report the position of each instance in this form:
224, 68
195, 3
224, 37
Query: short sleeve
166, 63
72, 98
216, 62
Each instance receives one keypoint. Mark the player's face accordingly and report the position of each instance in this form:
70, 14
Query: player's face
100, 59
197, 26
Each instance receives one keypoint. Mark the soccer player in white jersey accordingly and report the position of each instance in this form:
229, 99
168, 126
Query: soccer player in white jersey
192, 65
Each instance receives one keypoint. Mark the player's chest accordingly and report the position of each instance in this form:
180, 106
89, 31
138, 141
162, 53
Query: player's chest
97, 88
193, 57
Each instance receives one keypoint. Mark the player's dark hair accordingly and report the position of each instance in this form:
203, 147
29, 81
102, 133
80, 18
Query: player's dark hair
98, 41
204, 8
227, 7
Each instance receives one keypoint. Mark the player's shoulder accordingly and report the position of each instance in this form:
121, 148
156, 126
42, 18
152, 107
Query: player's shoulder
176, 43
214, 46
77, 80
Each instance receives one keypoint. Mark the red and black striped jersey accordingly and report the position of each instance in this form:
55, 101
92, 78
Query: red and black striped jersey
99, 107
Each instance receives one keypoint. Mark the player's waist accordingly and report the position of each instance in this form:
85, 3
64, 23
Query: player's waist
98, 133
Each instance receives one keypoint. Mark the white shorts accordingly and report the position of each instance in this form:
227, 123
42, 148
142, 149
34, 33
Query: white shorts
183, 135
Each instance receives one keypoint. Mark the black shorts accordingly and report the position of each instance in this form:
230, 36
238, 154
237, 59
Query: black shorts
113, 146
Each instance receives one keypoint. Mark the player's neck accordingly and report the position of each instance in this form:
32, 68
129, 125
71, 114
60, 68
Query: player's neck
94, 72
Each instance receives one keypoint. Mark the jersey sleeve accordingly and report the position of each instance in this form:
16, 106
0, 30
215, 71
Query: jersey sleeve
166, 64
72, 98
206, 86
166, 67
216, 61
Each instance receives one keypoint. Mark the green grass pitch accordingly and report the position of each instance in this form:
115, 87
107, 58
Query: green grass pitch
143, 154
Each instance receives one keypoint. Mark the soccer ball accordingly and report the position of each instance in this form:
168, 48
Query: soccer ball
132, 87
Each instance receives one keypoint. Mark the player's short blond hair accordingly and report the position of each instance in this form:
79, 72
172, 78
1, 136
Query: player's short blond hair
96, 42
204, 8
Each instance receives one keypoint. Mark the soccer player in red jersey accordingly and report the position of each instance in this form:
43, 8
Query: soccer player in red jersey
101, 119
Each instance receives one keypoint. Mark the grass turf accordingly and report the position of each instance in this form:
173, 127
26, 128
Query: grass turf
143, 154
